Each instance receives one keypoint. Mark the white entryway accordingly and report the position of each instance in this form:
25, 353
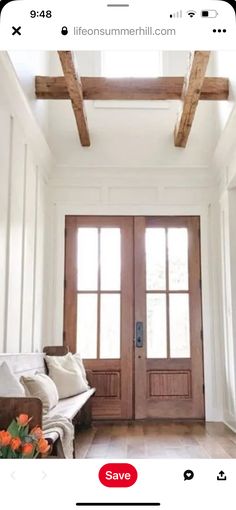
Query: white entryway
131, 169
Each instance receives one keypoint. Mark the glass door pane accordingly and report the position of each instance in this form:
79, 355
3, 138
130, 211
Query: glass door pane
110, 326
99, 272
178, 258
167, 274
179, 326
156, 326
110, 259
156, 258
87, 325
87, 259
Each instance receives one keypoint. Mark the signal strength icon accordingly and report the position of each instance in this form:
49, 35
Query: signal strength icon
178, 14
191, 14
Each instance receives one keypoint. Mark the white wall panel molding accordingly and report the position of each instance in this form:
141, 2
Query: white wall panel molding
6, 129
20, 109
40, 269
22, 223
23, 273
35, 244
30, 232
178, 176
125, 193
15, 241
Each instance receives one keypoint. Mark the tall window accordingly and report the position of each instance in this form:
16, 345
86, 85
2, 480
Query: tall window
127, 64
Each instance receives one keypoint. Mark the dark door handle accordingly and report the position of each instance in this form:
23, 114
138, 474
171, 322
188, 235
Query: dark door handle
139, 334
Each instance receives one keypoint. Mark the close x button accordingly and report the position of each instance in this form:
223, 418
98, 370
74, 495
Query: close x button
16, 31
120, 474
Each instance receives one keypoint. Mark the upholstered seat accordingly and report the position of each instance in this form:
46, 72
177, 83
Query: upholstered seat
69, 407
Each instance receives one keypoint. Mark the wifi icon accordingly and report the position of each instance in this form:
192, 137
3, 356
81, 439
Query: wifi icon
191, 14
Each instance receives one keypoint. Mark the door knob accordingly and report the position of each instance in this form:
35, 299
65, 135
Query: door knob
139, 334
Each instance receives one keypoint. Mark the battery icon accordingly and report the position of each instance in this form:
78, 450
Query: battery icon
212, 13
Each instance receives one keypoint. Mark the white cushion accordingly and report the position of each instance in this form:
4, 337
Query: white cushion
9, 385
79, 361
41, 386
69, 355
69, 407
67, 375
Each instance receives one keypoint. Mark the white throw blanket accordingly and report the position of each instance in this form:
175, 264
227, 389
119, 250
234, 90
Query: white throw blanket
65, 430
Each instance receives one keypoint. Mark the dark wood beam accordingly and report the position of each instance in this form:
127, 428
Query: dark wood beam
75, 94
130, 88
191, 94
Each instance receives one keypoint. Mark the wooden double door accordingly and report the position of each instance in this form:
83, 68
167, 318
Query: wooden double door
132, 308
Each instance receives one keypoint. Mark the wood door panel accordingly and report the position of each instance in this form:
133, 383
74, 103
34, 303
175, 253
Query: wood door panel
175, 411
107, 384
167, 385
111, 377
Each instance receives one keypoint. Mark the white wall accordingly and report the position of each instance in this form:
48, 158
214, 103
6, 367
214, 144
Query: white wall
222, 65
224, 164
225, 152
228, 254
27, 65
24, 161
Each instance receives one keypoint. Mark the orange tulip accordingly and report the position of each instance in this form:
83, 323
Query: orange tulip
37, 432
27, 449
23, 420
5, 438
15, 443
43, 446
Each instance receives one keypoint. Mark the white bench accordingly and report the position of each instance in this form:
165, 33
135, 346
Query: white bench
77, 409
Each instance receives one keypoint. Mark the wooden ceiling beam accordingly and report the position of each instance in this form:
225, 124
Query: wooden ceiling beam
130, 88
191, 94
74, 89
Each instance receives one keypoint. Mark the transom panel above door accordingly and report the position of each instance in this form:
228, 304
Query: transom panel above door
133, 310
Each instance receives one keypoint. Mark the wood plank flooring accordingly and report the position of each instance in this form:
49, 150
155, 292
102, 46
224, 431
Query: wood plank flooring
156, 440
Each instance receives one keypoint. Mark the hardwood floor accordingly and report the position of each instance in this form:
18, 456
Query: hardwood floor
157, 440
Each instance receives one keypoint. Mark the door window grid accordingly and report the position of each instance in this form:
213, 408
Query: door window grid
170, 340
98, 337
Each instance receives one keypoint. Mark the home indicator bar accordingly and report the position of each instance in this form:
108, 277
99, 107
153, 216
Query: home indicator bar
119, 504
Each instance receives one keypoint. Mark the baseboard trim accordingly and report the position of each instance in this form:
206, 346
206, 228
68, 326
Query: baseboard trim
231, 427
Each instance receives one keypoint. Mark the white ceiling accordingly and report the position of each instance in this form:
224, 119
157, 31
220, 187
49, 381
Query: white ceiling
121, 137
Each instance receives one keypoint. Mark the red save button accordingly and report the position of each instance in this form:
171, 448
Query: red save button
118, 475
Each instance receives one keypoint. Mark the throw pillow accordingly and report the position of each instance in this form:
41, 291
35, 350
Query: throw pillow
9, 384
67, 375
41, 386
62, 359
79, 361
